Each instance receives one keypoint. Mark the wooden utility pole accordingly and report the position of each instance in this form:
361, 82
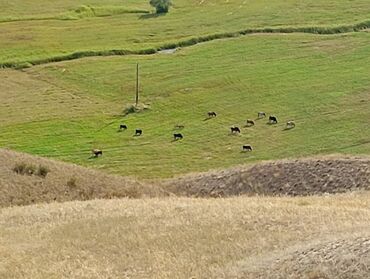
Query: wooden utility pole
137, 85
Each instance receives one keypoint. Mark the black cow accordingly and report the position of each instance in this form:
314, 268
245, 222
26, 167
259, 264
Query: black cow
138, 132
177, 136
247, 148
235, 130
250, 123
97, 152
123, 127
273, 119
212, 114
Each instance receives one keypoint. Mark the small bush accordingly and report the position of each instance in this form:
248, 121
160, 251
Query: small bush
135, 109
30, 170
20, 168
24, 169
161, 6
42, 171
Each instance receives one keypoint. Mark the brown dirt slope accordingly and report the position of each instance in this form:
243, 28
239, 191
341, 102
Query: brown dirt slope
64, 182
288, 177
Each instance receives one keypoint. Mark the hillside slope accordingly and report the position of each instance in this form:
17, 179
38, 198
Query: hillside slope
64, 182
63, 110
243, 237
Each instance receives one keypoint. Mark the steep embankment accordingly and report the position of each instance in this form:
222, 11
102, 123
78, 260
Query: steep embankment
63, 182
289, 177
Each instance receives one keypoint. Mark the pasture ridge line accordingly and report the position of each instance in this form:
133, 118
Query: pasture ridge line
341, 29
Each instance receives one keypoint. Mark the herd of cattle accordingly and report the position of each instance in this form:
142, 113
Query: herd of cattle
211, 114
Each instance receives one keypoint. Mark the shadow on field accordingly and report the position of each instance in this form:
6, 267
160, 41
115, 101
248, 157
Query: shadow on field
152, 15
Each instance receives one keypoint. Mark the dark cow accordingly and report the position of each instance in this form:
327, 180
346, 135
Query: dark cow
250, 123
261, 114
211, 114
247, 148
235, 130
97, 152
178, 136
273, 119
138, 132
123, 127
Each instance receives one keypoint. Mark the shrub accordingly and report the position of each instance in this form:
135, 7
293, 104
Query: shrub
42, 171
24, 169
161, 6
20, 168
30, 170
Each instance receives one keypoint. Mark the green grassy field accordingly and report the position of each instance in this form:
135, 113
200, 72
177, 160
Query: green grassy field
63, 110
44, 29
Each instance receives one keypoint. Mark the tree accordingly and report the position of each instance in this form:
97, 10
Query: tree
161, 6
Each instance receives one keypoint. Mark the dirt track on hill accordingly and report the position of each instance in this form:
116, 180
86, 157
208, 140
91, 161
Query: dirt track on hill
290, 177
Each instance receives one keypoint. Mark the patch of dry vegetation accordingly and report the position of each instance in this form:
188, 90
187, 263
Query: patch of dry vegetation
240, 237
23, 181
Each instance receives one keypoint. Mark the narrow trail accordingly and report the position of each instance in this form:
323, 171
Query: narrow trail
342, 29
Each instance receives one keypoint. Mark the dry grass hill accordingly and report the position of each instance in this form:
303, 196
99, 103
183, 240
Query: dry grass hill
63, 182
81, 229
239, 237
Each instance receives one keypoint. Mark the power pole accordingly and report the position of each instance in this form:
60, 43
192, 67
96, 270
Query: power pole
137, 85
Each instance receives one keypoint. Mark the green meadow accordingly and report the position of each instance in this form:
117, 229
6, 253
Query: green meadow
39, 29
63, 110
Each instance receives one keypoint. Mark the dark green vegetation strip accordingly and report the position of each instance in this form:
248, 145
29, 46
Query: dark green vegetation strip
193, 41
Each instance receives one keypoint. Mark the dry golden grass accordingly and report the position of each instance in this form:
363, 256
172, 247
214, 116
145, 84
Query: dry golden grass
241, 237
64, 182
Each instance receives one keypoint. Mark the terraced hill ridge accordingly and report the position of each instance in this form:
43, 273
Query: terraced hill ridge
286, 177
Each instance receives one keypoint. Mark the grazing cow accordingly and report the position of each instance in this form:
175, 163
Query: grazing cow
273, 119
235, 130
138, 132
290, 125
250, 123
211, 114
177, 136
261, 114
97, 152
247, 148
123, 127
